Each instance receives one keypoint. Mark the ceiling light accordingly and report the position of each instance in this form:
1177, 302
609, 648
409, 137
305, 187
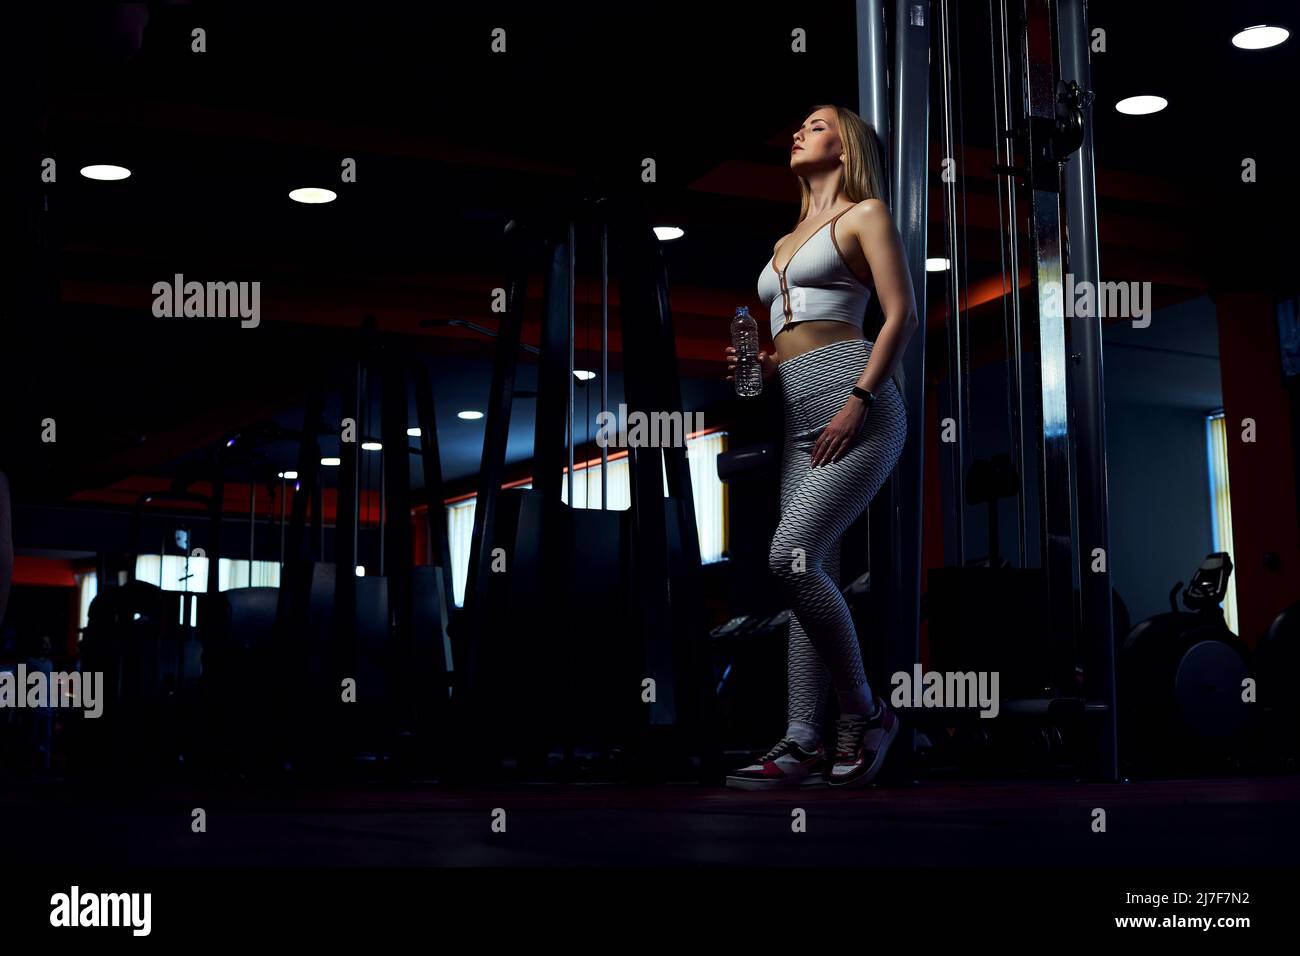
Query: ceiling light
289, 475
669, 232
1141, 105
105, 171
1260, 37
372, 446
413, 433
331, 462
312, 194
361, 570
936, 264
469, 415
583, 375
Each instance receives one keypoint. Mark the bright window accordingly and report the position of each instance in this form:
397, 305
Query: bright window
706, 488
170, 574
1216, 433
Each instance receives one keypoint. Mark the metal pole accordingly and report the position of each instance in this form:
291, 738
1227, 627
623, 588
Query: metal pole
1004, 141
1056, 538
956, 451
873, 75
282, 494
572, 436
252, 524
604, 353
1089, 395
911, 144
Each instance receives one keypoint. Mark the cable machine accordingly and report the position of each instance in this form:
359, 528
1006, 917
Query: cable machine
1044, 149
586, 610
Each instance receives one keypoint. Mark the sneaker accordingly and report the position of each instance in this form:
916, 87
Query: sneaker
861, 745
786, 765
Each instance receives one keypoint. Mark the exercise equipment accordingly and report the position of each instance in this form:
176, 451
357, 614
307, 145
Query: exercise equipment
1277, 660
140, 637
635, 572
1181, 678
367, 655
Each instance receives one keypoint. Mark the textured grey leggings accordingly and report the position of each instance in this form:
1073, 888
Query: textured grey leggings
817, 506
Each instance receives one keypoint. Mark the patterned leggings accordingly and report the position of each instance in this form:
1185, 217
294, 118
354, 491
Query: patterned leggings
817, 506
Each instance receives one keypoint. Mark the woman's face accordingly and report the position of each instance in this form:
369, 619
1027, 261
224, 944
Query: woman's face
816, 144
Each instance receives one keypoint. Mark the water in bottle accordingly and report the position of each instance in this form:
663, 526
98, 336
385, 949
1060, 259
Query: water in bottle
744, 338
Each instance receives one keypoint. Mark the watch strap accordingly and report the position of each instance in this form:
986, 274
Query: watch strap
865, 394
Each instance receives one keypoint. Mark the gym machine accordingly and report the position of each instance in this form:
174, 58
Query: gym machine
539, 566
1062, 672
1183, 682
388, 634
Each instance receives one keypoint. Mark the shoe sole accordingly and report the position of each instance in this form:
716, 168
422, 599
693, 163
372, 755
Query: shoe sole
864, 778
747, 783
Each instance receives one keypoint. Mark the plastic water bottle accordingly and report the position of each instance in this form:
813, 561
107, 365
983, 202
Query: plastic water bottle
744, 339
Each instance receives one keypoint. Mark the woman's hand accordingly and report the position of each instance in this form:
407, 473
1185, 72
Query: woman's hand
766, 361
837, 437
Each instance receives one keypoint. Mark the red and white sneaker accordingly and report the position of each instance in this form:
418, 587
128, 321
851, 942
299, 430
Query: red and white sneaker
786, 765
860, 746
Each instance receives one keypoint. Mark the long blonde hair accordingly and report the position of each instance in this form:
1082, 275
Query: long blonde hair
862, 176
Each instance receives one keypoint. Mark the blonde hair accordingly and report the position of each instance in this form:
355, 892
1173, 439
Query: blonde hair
862, 176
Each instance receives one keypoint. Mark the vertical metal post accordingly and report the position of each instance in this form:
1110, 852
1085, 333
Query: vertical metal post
1088, 399
572, 436
435, 508
1003, 151
873, 75
955, 451
283, 485
396, 549
478, 588
346, 528
604, 353
1054, 479
252, 523
216, 514
902, 506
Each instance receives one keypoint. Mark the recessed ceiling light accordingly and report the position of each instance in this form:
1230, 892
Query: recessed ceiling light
312, 194
469, 415
413, 433
372, 446
289, 475
583, 375
105, 171
669, 232
331, 462
1141, 105
1260, 37
936, 264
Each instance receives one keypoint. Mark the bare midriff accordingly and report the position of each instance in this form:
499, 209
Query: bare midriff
799, 337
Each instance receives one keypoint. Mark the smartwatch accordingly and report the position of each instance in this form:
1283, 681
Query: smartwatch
865, 394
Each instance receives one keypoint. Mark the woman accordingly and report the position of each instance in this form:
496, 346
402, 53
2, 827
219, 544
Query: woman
845, 425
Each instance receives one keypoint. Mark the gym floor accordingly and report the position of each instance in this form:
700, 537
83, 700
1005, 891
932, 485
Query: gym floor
1175, 823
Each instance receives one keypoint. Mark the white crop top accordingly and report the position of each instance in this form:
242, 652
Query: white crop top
823, 285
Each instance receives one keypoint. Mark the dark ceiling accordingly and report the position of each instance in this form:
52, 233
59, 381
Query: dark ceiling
452, 140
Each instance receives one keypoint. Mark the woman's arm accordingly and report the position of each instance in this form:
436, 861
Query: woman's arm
874, 228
